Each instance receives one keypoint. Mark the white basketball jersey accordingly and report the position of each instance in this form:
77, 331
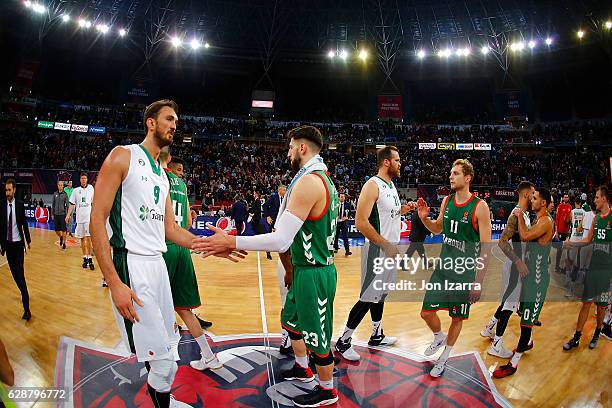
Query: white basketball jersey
137, 215
385, 215
587, 221
82, 198
577, 220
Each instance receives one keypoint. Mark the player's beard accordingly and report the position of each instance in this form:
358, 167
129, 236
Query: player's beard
296, 164
161, 140
394, 172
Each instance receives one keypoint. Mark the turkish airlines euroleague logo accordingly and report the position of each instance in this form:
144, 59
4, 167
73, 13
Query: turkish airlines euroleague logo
227, 225
41, 214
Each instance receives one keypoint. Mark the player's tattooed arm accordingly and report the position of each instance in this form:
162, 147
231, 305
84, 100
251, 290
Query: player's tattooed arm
504, 241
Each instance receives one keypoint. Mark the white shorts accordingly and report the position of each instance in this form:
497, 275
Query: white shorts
155, 336
280, 274
375, 279
82, 230
511, 287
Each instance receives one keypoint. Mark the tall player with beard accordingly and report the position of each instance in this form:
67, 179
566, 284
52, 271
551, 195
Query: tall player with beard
132, 188
465, 221
513, 272
378, 219
535, 283
307, 227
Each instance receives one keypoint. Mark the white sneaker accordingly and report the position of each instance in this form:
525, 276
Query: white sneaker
438, 369
488, 331
203, 364
435, 345
498, 350
346, 350
177, 404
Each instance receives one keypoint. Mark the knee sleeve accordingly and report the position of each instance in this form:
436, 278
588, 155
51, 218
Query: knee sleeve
294, 335
323, 361
162, 374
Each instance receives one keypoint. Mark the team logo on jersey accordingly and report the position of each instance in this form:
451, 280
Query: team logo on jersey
141, 162
465, 216
251, 377
145, 214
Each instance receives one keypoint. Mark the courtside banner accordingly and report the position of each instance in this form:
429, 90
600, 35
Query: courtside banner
43, 124
79, 128
61, 126
390, 106
427, 146
97, 129
465, 146
446, 146
482, 146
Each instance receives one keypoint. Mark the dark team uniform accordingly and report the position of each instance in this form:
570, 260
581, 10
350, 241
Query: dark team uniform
597, 282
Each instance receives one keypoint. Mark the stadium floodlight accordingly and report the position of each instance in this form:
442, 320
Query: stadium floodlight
445, 53
549, 41
66, 18
176, 42
531, 44
421, 54
363, 55
102, 28
38, 8
195, 44
517, 46
84, 23
608, 24
344, 55
122, 32
27, 3
331, 54
580, 34
485, 50
206, 45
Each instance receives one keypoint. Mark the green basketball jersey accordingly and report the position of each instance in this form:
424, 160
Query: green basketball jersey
586, 207
460, 238
180, 203
602, 239
314, 242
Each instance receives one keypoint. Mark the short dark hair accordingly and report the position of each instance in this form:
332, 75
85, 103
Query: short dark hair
152, 111
544, 194
83, 174
310, 133
176, 161
12, 182
524, 185
577, 200
385, 154
603, 190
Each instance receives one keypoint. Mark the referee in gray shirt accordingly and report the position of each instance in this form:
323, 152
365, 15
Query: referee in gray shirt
58, 212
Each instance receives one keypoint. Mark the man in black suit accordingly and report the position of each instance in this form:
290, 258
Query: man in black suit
271, 208
418, 233
14, 236
256, 211
239, 214
342, 224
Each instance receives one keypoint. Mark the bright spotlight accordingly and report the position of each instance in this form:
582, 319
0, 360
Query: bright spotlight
103, 28
445, 53
84, 23
38, 8
531, 44
517, 46
363, 55
65, 18
195, 44
344, 54
549, 41
466, 51
206, 45
122, 32
176, 42
331, 54
485, 50
421, 54
608, 24
580, 34
27, 3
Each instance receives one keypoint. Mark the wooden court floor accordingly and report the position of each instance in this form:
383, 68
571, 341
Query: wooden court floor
67, 300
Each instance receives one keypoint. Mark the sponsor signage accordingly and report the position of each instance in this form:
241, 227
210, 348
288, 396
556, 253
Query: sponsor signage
97, 129
446, 146
390, 107
62, 126
79, 128
43, 124
482, 146
465, 146
427, 146
262, 104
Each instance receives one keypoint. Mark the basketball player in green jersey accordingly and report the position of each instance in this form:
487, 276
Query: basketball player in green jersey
535, 284
183, 283
306, 226
597, 281
465, 222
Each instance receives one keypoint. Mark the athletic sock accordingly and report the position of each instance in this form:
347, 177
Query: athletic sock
328, 385
515, 359
347, 334
438, 335
446, 353
376, 328
204, 347
578, 334
302, 361
597, 332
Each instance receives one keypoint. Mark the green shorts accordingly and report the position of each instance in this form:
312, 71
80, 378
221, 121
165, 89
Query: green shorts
598, 280
309, 308
443, 294
183, 283
533, 292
